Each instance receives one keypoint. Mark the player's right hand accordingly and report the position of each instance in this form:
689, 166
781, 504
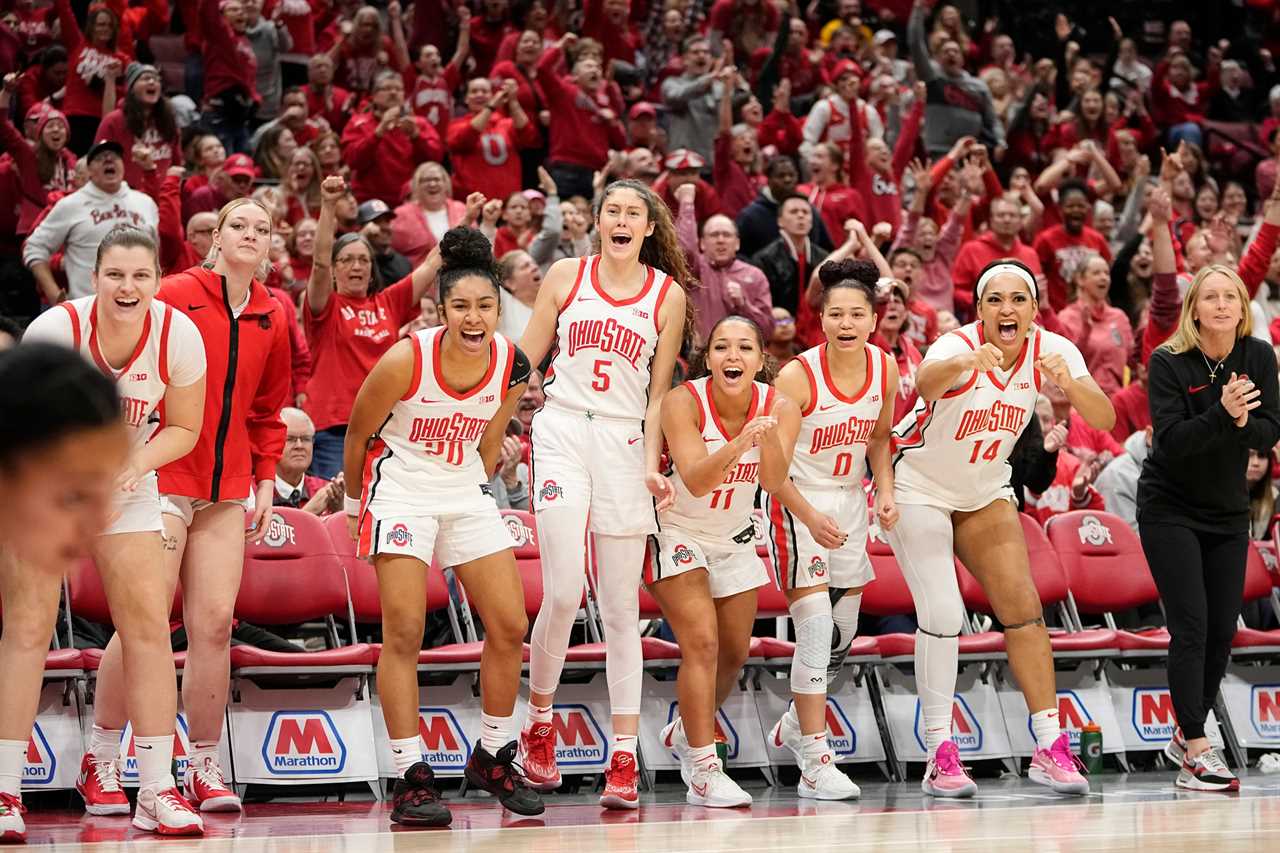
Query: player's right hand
826, 532
986, 357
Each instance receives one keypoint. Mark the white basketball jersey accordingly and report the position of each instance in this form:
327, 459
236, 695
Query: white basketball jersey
604, 347
953, 452
169, 351
724, 512
426, 456
831, 447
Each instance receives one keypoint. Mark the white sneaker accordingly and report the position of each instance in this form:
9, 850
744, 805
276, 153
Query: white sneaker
13, 829
714, 789
166, 813
786, 733
824, 781
673, 738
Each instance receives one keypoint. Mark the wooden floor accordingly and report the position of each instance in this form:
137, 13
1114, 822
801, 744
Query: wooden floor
1139, 812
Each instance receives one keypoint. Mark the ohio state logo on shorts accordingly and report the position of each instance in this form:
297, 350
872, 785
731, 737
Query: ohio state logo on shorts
550, 491
817, 567
682, 555
399, 536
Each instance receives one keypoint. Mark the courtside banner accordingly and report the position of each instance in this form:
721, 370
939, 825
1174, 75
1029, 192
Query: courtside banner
1143, 709
737, 724
851, 720
55, 747
1252, 697
448, 723
181, 751
583, 726
977, 722
1081, 698
287, 737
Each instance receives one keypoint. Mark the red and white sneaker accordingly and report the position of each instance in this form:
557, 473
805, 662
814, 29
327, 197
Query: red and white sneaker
1206, 772
13, 829
165, 812
206, 789
538, 747
945, 776
1059, 768
99, 786
620, 783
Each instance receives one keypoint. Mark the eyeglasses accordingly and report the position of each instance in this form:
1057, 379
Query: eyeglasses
299, 439
354, 260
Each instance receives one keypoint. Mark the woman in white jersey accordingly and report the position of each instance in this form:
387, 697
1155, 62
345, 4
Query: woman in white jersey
436, 408
155, 355
726, 431
618, 320
845, 390
63, 444
978, 388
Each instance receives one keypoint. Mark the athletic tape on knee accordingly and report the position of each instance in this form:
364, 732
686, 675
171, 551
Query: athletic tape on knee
812, 618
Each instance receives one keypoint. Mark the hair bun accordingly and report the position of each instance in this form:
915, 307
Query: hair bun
850, 268
465, 248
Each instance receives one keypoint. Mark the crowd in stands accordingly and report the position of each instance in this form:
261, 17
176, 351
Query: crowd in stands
929, 138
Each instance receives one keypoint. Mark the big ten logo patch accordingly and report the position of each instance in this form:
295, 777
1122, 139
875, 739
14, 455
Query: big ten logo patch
521, 533
1264, 710
1094, 532
303, 743
1072, 716
966, 731
840, 732
42, 761
725, 732
1152, 714
279, 533
579, 738
447, 746
181, 751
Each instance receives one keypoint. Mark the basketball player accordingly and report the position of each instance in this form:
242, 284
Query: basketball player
845, 390
978, 388
155, 355
618, 320
63, 444
436, 407
725, 431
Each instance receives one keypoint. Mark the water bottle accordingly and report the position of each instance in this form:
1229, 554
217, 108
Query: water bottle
722, 750
1091, 747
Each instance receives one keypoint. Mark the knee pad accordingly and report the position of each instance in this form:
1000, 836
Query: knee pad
814, 627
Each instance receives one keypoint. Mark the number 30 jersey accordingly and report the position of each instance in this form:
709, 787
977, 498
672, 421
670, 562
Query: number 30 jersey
954, 452
831, 447
605, 347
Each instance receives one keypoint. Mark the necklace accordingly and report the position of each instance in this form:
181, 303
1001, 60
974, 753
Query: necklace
1213, 370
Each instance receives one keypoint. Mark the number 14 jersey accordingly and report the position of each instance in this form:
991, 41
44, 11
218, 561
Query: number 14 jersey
954, 452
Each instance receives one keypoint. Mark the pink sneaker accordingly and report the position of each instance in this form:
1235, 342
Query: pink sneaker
945, 776
1059, 768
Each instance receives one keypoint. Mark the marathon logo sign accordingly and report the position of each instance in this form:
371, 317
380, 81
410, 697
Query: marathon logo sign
966, 731
840, 732
181, 752
42, 761
279, 533
303, 743
447, 744
1072, 716
580, 739
1264, 710
724, 730
1152, 714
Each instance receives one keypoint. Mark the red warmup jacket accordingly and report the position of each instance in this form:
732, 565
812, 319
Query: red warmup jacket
381, 168
488, 161
246, 385
619, 42
580, 136
880, 191
229, 61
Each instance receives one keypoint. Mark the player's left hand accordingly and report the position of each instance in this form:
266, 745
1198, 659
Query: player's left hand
826, 532
660, 487
1055, 367
130, 477
886, 510
262, 512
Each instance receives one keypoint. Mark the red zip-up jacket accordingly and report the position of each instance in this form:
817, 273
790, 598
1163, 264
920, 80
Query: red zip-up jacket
247, 383
580, 135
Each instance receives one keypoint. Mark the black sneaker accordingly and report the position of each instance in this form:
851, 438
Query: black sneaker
503, 778
416, 801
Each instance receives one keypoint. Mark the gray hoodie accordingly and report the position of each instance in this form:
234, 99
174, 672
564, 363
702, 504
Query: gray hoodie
1118, 482
954, 106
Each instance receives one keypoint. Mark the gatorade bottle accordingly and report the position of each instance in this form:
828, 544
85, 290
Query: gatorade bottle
1091, 747
722, 750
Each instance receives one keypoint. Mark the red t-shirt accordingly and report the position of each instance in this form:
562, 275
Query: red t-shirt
347, 338
1061, 253
433, 98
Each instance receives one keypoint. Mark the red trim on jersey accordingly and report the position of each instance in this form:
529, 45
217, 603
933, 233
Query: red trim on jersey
813, 386
1035, 356
884, 376
715, 416
657, 305
75, 325
702, 417
416, 340
506, 372
164, 344
1022, 357
965, 338
620, 303
573, 291
831, 385
784, 558
97, 353
973, 377
916, 437
470, 392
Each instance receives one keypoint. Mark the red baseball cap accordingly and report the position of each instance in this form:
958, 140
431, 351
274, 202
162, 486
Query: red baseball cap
641, 109
682, 159
240, 166
843, 67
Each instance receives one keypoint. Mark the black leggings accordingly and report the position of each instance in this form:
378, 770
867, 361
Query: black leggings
1201, 581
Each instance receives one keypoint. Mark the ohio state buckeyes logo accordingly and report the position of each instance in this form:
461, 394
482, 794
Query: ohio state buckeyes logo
400, 536
682, 555
817, 568
550, 491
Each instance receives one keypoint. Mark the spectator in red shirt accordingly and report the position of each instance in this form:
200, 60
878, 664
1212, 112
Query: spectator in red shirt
384, 142
351, 320
875, 171
364, 51
517, 229
1062, 247
748, 24
1178, 102
835, 201
324, 99
607, 22
230, 72
144, 119
1101, 332
432, 84
233, 179
922, 320
1072, 486
43, 168
96, 60
892, 336
301, 186
1001, 241
484, 144
43, 79
488, 33
206, 157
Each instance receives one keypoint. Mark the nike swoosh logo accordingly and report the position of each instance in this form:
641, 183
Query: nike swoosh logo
195, 307
633, 440
429, 402
777, 739
142, 745
808, 781
828, 406
668, 741
1195, 389
700, 790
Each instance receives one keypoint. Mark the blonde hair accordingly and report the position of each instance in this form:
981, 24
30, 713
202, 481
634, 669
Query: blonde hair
1187, 336
264, 269
420, 173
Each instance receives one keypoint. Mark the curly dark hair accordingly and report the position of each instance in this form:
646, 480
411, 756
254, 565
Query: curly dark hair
466, 252
851, 272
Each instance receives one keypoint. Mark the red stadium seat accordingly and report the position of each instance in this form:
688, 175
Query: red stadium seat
87, 599
1249, 642
293, 576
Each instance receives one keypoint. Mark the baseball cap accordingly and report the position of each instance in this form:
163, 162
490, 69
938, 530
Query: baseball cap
682, 159
532, 195
843, 67
240, 166
886, 285
883, 36
641, 109
102, 146
374, 208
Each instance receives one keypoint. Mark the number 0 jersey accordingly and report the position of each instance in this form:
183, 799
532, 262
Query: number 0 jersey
724, 513
426, 455
605, 346
831, 447
953, 452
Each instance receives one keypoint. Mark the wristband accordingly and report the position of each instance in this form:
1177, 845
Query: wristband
350, 505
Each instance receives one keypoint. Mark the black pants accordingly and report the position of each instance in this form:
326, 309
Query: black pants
1201, 581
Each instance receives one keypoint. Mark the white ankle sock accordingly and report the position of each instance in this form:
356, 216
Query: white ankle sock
813, 748
202, 749
406, 752
1045, 726
155, 762
625, 743
105, 743
934, 738
538, 714
13, 758
702, 757
496, 732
